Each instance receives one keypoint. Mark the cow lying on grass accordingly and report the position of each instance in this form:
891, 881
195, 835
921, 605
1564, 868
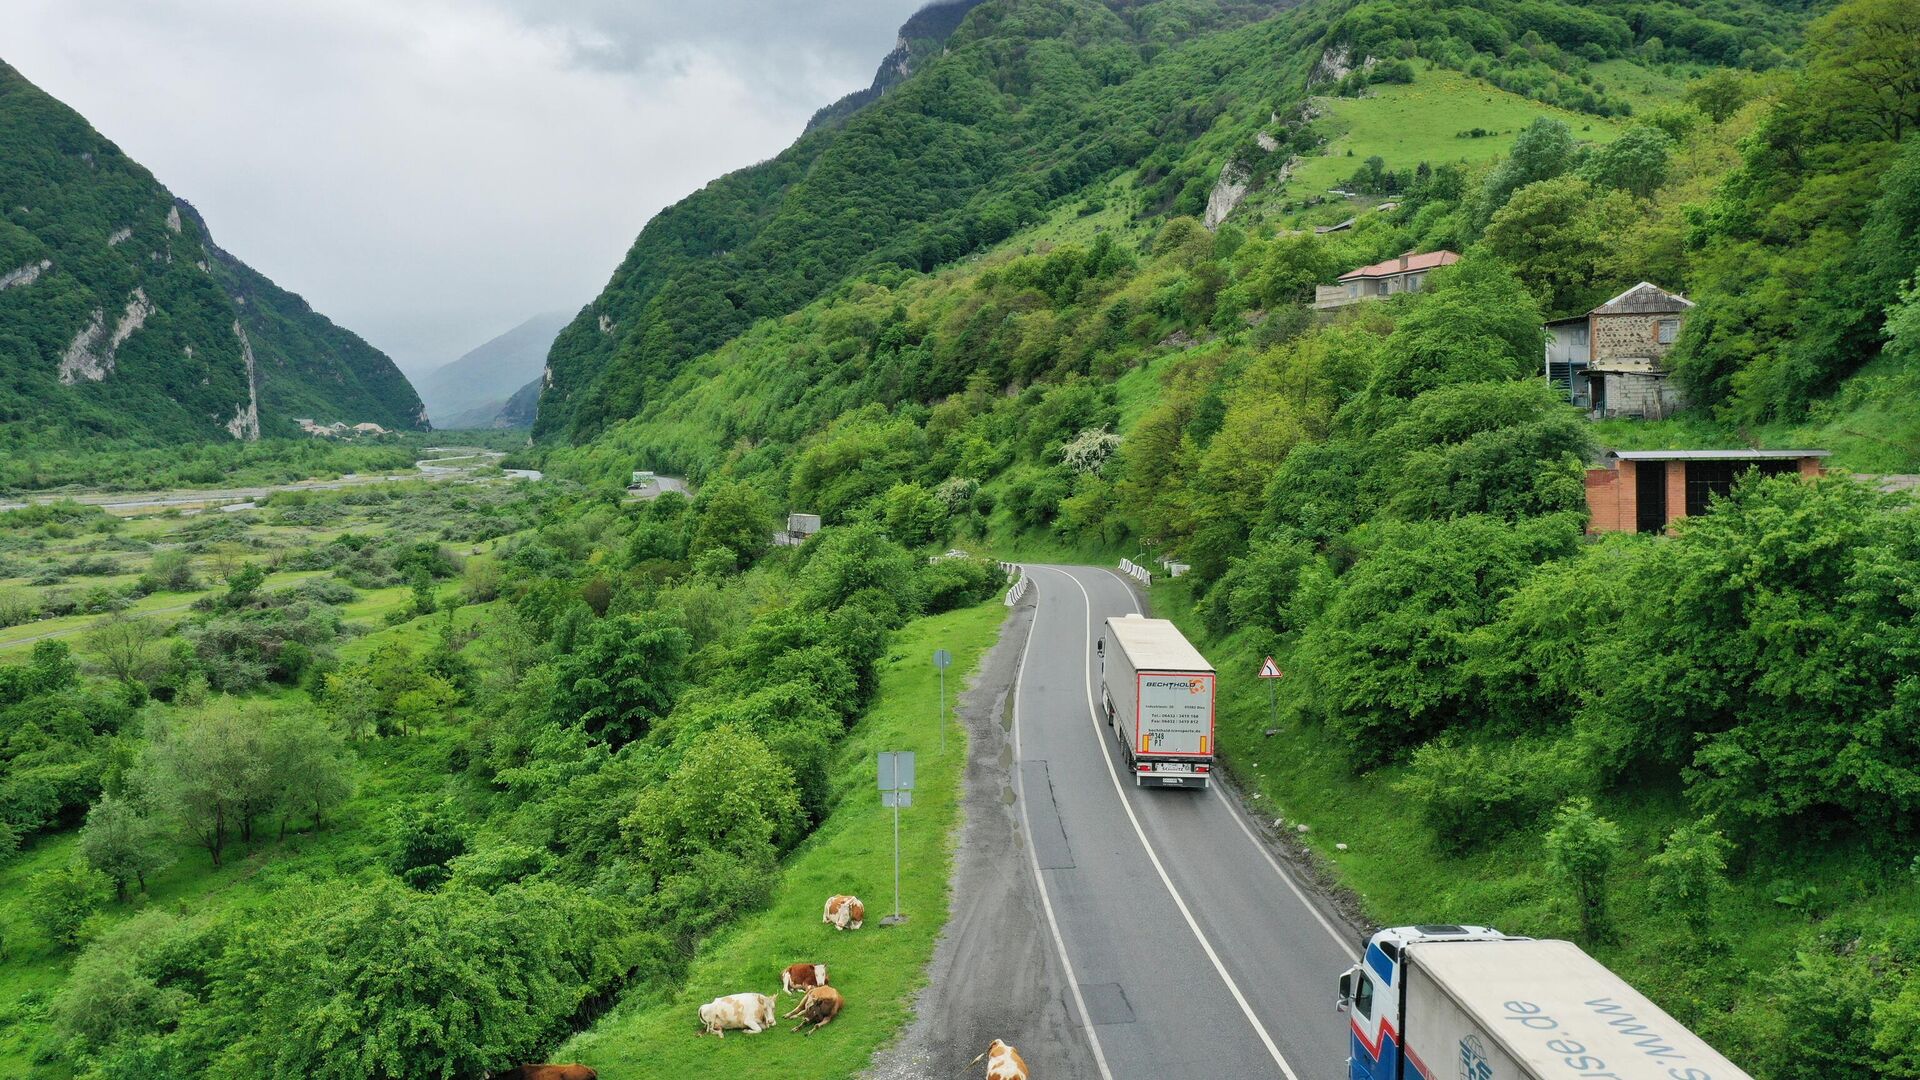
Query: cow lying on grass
844, 912
798, 978
1003, 1062
752, 1012
818, 1008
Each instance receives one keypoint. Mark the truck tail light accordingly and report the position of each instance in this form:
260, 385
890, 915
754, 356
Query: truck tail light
1203, 768
1146, 768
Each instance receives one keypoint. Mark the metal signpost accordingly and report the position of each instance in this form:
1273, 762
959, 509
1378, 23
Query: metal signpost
1271, 671
941, 658
896, 790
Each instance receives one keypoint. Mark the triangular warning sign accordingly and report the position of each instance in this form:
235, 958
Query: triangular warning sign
1270, 670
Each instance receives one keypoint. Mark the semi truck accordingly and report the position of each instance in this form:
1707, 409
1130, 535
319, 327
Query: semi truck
1157, 691
1471, 1003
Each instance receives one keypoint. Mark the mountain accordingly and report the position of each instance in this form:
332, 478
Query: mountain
122, 320
470, 391
1028, 101
922, 36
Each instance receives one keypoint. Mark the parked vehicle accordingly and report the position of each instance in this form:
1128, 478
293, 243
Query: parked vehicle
1470, 1003
1157, 691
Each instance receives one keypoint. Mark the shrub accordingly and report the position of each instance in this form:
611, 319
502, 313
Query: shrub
1471, 793
62, 900
1582, 846
952, 583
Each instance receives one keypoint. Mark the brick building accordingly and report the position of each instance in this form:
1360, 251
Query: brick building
1395, 276
1629, 338
1649, 490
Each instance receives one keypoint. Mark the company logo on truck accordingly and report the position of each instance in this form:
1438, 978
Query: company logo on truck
1473, 1060
1191, 686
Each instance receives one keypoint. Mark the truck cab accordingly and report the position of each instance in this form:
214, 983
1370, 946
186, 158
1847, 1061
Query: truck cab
1372, 993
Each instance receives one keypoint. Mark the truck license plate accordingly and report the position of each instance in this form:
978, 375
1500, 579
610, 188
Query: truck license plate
1176, 767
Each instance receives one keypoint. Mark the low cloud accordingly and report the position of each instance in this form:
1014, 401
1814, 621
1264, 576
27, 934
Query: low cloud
430, 172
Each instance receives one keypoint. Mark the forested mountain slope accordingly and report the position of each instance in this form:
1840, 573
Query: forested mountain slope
121, 319
1031, 103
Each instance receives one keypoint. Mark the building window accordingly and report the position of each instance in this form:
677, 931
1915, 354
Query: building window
1382, 286
1707, 480
1413, 283
1669, 329
1353, 290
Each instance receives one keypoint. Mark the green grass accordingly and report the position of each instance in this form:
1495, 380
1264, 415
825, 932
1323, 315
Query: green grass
877, 969
1419, 121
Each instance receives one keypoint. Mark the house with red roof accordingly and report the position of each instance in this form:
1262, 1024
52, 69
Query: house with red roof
1383, 279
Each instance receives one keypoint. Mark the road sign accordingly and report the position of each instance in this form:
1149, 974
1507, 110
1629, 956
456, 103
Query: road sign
896, 770
1270, 670
941, 658
896, 791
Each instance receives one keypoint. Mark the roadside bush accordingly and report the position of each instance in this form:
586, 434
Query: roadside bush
1582, 847
1470, 794
951, 583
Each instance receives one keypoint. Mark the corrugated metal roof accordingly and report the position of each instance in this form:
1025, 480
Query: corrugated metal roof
1714, 455
1645, 298
1427, 261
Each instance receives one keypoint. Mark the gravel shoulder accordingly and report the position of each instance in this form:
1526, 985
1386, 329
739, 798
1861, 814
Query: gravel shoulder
994, 973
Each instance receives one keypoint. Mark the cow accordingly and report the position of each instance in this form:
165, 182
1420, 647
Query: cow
844, 912
754, 1012
820, 1005
1003, 1062
549, 1072
799, 977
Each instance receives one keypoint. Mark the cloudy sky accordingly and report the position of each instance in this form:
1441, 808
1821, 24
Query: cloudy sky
431, 172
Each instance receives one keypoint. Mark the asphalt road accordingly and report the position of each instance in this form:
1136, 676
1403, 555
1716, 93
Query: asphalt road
1188, 949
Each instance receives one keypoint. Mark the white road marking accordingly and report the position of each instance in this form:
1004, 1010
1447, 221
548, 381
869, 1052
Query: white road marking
1033, 860
1238, 819
1180, 902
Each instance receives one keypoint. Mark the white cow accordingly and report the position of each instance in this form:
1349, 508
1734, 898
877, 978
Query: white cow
753, 1012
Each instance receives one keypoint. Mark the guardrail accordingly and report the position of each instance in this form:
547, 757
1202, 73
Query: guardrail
1019, 586
1137, 572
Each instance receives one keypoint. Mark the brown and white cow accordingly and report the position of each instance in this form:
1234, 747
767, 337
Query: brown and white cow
818, 1007
844, 912
548, 1072
799, 977
753, 1012
1003, 1062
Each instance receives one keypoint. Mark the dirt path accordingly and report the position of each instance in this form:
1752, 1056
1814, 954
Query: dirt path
17, 642
994, 970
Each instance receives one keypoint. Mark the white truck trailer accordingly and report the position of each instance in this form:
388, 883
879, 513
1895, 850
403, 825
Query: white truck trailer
1466, 1002
1157, 691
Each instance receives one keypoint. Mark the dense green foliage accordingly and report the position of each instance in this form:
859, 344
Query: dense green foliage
120, 320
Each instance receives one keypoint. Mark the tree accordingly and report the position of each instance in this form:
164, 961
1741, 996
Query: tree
352, 702
1689, 873
735, 516
1558, 236
1865, 59
61, 900
1582, 846
421, 584
623, 678
243, 583
859, 560
1636, 162
199, 772
310, 767
1719, 93
1543, 150
122, 843
127, 646
1474, 323
729, 794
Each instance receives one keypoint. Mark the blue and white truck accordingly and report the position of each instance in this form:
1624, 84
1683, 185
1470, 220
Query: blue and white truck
1470, 1003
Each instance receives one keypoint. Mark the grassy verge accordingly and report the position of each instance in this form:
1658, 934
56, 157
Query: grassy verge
878, 969
1402, 877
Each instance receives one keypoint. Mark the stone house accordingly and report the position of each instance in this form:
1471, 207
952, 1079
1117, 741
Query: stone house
1395, 276
1649, 490
1629, 338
